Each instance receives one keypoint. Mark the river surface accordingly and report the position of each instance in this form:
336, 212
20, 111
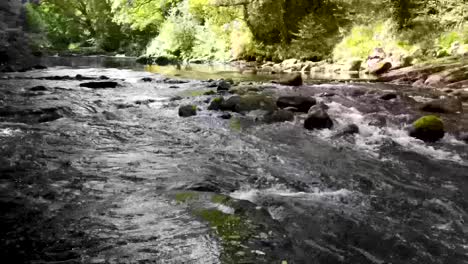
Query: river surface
116, 176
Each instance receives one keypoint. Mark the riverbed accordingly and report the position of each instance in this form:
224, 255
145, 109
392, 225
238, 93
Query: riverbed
116, 176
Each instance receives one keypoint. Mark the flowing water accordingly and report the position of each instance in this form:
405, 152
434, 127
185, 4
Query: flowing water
115, 176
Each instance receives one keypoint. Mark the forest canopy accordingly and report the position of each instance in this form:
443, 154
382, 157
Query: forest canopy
221, 30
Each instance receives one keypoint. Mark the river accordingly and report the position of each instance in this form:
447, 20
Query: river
116, 176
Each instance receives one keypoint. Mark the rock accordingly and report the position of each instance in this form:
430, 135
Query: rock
301, 103
428, 128
99, 85
175, 98
291, 109
448, 106
223, 85
418, 83
225, 116
248, 103
251, 102
292, 80
377, 120
434, 80
320, 105
174, 87
278, 116
307, 66
380, 68
146, 79
287, 64
350, 129
38, 88
318, 118
230, 104
210, 92
388, 96
103, 77
216, 104
110, 116
354, 65
187, 110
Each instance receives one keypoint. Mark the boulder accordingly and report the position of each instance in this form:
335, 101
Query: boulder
380, 68
230, 104
216, 103
301, 103
99, 85
223, 85
287, 64
292, 80
318, 118
278, 116
428, 128
447, 105
187, 110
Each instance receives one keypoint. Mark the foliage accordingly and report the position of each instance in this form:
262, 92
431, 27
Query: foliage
252, 29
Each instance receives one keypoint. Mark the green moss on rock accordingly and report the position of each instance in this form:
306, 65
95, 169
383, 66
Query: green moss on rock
184, 197
428, 128
430, 122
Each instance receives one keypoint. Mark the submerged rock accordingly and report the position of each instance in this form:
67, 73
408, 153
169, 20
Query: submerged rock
447, 105
226, 116
318, 118
301, 103
428, 128
292, 80
99, 85
278, 116
350, 129
187, 110
388, 96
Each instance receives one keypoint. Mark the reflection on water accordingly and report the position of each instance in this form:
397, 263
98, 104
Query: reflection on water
188, 71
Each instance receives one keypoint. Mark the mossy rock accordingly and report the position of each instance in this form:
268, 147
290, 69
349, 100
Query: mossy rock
428, 128
184, 197
216, 103
252, 102
187, 110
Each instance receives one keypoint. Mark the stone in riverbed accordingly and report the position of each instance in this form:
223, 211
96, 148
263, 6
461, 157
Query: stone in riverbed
278, 116
350, 129
225, 116
428, 128
187, 110
216, 104
318, 118
447, 105
248, 103
223, 85
301, 103
99, 85
38, 88
388, 96
292, 80
380, 68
